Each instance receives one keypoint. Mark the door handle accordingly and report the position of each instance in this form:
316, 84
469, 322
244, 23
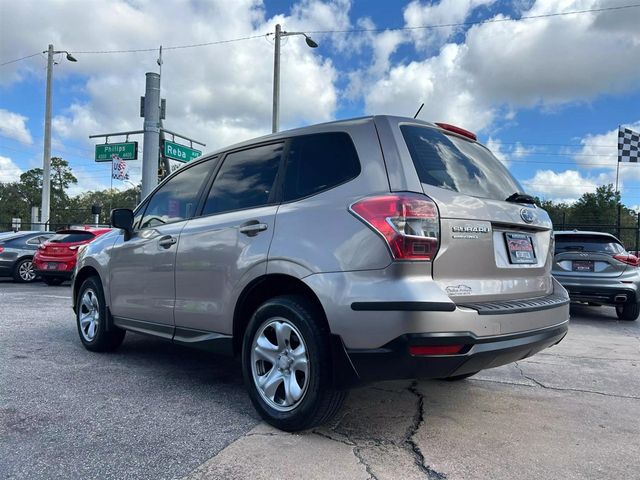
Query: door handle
167, 241
252, 228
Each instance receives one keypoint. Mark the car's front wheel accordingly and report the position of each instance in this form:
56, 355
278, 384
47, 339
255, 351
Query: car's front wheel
91, 315
628, 311
23, 271
287, 365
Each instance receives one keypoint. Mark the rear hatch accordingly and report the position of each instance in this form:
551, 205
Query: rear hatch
490, 249
589, 255
65, 243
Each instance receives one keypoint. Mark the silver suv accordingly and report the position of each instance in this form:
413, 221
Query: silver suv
366, 249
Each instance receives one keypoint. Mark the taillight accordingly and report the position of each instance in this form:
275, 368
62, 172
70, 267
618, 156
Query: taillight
458, 130
628, 259
408, 222
1, 249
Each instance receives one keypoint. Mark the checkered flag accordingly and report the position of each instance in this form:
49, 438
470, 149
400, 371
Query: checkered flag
628, 148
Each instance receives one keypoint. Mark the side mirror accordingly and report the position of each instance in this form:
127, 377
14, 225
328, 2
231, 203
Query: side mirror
123, 218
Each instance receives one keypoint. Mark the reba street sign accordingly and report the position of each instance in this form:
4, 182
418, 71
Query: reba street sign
180, 152
126, 151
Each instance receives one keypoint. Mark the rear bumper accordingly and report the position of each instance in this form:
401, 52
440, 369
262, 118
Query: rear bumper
55, 273
606, 294
393, 361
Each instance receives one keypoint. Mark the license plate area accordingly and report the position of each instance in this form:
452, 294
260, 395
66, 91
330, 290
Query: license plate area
520, 248
582, 265
52, 266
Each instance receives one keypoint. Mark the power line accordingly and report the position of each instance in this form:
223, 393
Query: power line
18, 59
477, 22
355, 30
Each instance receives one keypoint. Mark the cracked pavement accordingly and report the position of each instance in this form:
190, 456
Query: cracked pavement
152, 410
569, 412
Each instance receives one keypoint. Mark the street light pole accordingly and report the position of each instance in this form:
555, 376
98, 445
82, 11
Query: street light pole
45, 205
275, 119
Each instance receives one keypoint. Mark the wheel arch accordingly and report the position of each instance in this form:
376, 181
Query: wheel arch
84, 273
259, 291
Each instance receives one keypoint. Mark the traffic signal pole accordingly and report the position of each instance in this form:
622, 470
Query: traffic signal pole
151, 142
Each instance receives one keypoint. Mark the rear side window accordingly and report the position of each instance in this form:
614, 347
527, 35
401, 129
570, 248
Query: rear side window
450, 162
72, 237
319, 162
245, 180
177, 199
588, 243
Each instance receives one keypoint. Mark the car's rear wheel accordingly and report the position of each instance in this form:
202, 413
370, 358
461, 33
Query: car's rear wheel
628, 311
91, 315
23, 271
287, 365
53, 280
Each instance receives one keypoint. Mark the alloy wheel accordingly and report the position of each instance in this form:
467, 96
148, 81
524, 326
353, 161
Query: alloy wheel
280, 364
89, 314
26, 271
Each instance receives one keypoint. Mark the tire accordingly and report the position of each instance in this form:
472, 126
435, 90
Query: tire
91, 315
53, 280
23, 271
297, 392
456, 378
628, 311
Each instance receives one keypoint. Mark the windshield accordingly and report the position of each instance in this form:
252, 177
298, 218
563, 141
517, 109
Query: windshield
450, 162
588, 243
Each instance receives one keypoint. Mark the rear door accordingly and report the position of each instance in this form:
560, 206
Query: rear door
142, 269
490, 249
588, 255
225, 247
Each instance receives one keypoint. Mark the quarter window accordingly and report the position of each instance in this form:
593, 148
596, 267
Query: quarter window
177, 199
319, 162
246, 180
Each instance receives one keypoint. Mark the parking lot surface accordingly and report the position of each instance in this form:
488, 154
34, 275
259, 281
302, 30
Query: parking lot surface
153, 410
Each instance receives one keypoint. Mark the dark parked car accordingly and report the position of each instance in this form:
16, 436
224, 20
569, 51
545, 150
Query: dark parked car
596, 269
55, 259
16, 254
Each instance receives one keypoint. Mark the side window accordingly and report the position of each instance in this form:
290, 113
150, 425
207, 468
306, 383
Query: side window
319, 162
177, 199
245, 180
34, 241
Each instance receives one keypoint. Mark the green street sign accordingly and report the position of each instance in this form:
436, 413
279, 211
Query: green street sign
179, 152
126, 151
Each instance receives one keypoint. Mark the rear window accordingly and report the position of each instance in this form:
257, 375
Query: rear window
72, 237
450, 162
319, 162
587, 243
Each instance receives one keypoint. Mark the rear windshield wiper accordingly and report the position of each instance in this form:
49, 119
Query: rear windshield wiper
520, 198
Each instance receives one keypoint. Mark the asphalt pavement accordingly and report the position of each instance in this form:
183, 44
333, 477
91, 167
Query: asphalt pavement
154, 410
150, 410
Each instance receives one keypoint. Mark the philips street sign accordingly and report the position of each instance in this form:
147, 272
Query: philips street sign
179, 152
126, 151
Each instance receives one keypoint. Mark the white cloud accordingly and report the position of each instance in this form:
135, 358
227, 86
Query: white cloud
446, 12
504, 66
566, 186
9, 171
219, 94
14, 126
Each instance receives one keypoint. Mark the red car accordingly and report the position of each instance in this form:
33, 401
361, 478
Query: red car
56, 258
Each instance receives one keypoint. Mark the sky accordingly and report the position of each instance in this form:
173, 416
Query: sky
545, 94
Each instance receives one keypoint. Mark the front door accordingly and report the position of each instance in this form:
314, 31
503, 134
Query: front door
142, 269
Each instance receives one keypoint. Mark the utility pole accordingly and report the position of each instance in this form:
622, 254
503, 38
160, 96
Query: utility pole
45, 207
275, 120
151, 142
